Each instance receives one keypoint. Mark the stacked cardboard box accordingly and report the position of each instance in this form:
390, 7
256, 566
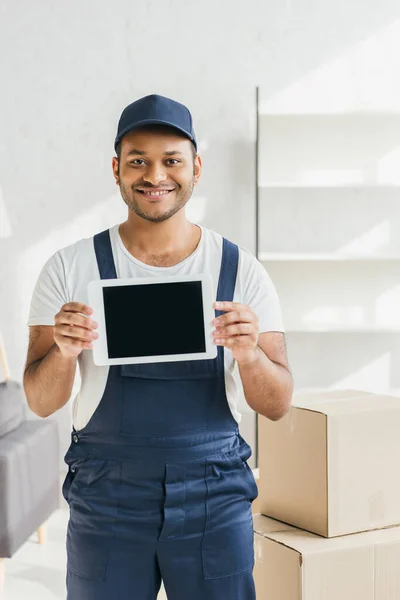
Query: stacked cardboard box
330, 490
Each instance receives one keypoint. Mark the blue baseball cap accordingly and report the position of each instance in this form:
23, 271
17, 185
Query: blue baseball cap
156, 110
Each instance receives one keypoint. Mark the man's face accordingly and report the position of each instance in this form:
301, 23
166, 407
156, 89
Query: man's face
156, 173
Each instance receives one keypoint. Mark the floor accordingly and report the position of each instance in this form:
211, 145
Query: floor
38, 572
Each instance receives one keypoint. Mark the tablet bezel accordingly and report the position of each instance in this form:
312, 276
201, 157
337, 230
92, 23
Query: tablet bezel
96, 302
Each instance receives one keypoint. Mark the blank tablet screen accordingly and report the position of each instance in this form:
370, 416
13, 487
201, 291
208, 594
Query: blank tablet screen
154, 319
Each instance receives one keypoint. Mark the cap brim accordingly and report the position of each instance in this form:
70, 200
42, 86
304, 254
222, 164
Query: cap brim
140, 124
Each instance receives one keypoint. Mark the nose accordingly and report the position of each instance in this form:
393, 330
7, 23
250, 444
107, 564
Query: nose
155, 174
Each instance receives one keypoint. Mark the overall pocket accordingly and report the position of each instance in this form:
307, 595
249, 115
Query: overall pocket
93, 501
87, 550
228, 538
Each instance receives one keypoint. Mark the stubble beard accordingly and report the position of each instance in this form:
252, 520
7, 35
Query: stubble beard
183, 195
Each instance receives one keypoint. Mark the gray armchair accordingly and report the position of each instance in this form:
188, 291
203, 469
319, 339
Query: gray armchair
29, 468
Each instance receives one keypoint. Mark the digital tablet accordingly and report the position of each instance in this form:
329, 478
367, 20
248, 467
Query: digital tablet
145, 320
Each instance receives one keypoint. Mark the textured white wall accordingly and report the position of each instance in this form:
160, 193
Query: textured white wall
68, 69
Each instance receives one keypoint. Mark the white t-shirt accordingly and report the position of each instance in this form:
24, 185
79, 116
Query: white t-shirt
65, 276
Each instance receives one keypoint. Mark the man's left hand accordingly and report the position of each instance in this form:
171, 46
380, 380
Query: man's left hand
238, 330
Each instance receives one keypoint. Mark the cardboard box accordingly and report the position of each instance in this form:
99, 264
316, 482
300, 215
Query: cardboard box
331, 465
292, 564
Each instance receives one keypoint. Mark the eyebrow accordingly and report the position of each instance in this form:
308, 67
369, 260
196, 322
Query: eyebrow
136, 152
172, 152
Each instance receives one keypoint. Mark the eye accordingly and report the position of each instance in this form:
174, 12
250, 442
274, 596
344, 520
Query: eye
137, 162
173, 161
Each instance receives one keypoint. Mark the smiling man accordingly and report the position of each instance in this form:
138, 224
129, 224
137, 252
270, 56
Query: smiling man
159, 494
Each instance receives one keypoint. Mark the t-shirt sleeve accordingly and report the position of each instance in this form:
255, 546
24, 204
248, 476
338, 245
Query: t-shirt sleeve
49, 294
259, 292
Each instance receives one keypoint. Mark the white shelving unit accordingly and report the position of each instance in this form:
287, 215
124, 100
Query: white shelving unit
328, 233
342, 329
320, 257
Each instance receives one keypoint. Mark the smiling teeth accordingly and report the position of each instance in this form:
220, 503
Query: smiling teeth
157, 193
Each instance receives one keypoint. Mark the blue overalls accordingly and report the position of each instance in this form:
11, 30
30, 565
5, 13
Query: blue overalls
158, 483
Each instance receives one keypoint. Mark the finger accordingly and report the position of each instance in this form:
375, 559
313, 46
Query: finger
236, 329
72, 318
245, 341
229, 306
80, 344
241, 316
77, 307
79, 333
70, 343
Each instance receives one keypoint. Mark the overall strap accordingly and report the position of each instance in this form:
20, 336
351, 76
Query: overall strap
228, 273
104, 255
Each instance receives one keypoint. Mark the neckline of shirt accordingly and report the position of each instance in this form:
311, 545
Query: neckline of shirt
143, 265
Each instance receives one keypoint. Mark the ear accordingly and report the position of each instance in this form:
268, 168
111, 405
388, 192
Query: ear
198, 167
115, 168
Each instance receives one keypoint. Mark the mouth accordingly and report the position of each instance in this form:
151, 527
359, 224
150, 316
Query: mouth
154, 194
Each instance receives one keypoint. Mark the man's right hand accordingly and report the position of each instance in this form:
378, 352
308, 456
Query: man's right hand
72, 331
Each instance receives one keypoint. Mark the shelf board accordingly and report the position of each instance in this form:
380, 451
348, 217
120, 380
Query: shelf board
322, 257
368, 113
343, 329
328, 186
300, 392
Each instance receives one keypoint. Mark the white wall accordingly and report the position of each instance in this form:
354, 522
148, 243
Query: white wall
68, 69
